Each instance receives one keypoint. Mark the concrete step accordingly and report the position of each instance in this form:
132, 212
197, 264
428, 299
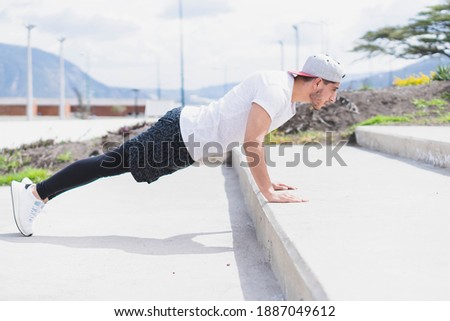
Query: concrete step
429, 144
375, 229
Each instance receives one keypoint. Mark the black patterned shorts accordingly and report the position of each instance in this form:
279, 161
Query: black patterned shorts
159, 150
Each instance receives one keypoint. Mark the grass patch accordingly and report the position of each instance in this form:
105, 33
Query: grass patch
444, 119
376, 120
35, 174
13, 161
421, 117
301, 138
424, 104
64, 157
433, 109
382, 119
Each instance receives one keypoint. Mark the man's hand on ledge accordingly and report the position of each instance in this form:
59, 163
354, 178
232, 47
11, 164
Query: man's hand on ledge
282, 187
281, 197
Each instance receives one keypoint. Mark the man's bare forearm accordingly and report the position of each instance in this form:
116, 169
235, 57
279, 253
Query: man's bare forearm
258, 168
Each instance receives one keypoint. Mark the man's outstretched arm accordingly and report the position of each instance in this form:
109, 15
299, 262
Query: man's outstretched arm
258, 125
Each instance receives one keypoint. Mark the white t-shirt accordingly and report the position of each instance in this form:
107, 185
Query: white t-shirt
220, 126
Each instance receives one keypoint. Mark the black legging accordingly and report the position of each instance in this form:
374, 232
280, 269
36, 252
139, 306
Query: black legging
83, 172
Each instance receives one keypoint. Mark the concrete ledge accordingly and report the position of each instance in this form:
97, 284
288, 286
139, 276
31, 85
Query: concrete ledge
375, 228
296, 279
422, 143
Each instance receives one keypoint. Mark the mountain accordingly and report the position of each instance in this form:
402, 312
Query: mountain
385, 79
13, 78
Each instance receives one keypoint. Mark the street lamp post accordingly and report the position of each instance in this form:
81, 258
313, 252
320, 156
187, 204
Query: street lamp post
181, 52
158, 74
29, 75
158, 77
87, 83
296, 46
136, 93
62, 96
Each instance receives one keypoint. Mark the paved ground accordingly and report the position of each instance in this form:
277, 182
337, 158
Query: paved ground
186, 237
376, 229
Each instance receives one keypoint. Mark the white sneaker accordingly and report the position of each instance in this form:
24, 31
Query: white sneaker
26, 207
26, 181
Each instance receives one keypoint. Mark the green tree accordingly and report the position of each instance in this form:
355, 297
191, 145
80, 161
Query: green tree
425, 35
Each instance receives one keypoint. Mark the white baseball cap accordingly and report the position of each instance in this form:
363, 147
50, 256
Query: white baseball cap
321, 66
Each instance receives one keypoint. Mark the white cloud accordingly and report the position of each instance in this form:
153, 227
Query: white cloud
96, 27
222, 38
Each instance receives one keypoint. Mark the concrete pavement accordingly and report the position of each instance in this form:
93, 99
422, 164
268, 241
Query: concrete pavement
376, 229
185, 237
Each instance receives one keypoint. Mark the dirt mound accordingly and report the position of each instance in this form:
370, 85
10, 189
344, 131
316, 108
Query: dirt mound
352, 107
46, 154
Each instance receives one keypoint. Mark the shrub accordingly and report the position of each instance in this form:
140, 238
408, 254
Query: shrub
441, 73
412, 80
446, 96
118, 109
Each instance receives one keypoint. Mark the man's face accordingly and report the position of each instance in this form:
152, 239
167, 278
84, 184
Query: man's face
323, 94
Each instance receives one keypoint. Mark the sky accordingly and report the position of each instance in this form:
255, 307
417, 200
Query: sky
223, 40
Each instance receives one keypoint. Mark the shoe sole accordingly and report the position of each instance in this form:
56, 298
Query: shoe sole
15, 203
